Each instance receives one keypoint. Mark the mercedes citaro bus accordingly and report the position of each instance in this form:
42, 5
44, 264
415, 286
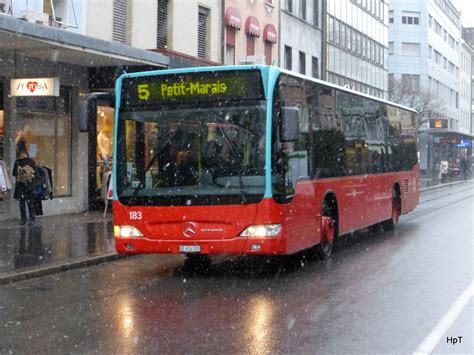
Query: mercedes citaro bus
254, 160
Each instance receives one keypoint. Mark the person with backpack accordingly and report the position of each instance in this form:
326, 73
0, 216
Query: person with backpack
24, 173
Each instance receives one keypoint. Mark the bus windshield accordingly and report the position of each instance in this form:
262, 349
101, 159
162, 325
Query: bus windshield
192, 156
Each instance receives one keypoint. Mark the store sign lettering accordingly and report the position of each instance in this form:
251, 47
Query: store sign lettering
35, 87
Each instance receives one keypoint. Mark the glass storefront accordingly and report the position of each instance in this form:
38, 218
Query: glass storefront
105, 127
44, 130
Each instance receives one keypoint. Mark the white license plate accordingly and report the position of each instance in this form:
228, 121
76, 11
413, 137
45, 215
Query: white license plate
189, 248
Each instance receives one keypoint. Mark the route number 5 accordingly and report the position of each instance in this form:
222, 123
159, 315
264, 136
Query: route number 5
143, 91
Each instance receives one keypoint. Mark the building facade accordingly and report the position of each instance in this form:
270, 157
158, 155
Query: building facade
301, 42
189, 28
46, 65
251, 32
357, 45
425, 55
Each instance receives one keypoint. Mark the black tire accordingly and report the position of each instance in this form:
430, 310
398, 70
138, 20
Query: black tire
391, 223
324, 248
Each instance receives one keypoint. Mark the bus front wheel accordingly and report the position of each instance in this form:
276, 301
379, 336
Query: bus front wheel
328, 233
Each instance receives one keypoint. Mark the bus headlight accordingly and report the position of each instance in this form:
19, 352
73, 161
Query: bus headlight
126, 232
261, 230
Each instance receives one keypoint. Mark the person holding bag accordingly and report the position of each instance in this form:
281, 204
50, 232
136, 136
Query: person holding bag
24, 172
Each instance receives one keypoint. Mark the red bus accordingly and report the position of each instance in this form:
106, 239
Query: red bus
255, 160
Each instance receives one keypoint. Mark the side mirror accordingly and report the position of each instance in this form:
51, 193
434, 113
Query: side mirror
290, 124
88, 108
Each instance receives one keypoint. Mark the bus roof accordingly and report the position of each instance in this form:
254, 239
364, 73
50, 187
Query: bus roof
260, 67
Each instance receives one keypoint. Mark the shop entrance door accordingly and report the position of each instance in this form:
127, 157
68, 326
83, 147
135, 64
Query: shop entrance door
100, 155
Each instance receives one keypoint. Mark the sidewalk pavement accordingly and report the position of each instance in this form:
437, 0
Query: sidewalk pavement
64, 242
54, 244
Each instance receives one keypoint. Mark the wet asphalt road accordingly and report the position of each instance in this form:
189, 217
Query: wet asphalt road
379, 293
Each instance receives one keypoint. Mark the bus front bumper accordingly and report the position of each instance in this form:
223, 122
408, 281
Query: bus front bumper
238, 245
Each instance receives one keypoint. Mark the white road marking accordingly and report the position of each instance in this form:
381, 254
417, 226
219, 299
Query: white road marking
433, 338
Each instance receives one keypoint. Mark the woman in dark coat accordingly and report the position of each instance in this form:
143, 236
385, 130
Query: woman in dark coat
24, 173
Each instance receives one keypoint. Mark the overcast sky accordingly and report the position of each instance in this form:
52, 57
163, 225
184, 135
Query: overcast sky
467, 9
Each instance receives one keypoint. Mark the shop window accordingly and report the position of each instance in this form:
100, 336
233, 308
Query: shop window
44, 129
105, 124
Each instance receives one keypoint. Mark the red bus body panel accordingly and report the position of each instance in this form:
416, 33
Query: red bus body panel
361, 200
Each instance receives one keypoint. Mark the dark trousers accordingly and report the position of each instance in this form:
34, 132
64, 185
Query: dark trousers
31, 209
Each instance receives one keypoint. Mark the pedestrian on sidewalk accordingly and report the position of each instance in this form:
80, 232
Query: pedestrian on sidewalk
24, 173
443, 171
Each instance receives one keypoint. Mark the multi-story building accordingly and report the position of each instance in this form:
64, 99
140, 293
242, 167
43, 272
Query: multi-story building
357, 42
301, 36
425, 51
189, 32
46, 64
468, 36
251, 32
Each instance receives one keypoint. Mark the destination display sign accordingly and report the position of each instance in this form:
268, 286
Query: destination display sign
207, 86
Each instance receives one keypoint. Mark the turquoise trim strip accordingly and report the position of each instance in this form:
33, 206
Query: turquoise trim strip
195, 70
118, 96
270, 75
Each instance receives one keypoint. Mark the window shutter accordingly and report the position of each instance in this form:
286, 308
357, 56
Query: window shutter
162, 30
119, 24
202, 32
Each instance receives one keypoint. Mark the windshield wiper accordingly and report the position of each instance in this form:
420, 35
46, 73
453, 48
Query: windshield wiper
237, 158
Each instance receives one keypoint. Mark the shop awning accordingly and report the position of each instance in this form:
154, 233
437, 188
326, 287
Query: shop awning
252, 26
58, 45
270, 33
232, 18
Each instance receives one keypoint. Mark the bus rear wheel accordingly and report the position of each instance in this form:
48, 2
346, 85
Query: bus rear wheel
328, 233
391, 223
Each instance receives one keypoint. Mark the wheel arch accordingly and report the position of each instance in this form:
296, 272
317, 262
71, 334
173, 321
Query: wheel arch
331, 199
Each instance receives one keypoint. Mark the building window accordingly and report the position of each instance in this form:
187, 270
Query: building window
45, 126
287, 58
390, 16
302, 62
411, 83
289, 5
410, 18
203, 32
331, 29
316, 12
162, 28
411, 49
119, 21
250, 45
314, 67
303, 9
268, 53
230, 46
